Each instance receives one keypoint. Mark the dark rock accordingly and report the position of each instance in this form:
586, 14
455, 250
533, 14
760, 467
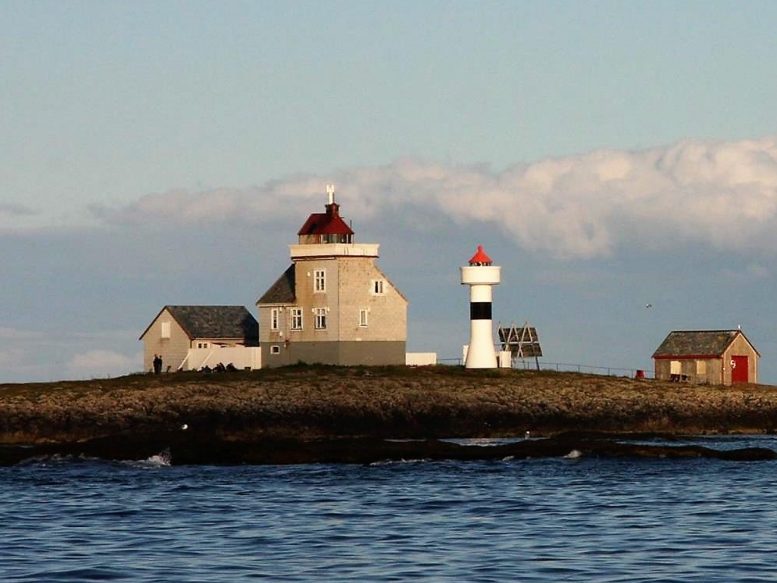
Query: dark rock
187, 448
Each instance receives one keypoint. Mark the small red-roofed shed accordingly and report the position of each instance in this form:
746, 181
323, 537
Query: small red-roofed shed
718, 357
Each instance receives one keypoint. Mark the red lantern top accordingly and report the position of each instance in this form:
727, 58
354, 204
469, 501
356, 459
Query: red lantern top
480, 257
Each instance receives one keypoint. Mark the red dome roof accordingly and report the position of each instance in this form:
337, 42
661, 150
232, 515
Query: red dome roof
480, 257
328, 223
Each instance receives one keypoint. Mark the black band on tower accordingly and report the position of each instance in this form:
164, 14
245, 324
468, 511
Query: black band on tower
480, 310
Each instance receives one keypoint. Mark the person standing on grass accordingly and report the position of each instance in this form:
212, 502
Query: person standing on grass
157, 364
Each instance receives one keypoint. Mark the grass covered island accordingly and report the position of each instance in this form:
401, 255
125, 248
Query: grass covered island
362, 414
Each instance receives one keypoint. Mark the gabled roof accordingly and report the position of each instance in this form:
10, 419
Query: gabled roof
283, 291
328, 223
213, 322
698, 343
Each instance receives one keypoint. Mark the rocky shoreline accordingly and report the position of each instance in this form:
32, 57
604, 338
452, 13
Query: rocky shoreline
357, 414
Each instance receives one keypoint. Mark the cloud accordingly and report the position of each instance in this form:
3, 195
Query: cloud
722, 194
748, 273
15, 218
16, 334
8, 210
96, 363
35, 355
10, 356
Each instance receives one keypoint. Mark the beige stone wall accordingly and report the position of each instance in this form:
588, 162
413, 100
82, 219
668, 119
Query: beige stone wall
266, 333
387, 313
308, 300
173, 349
270, 359
349, 289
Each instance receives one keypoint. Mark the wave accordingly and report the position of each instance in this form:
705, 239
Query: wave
161, 460
400, 462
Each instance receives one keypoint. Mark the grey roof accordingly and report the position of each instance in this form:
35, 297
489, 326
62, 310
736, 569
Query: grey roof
283, 291
215, 322
697, 343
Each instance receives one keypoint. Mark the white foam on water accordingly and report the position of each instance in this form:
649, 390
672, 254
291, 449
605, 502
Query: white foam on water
57, 459
402, 461
574, 454
161, 460
482, 441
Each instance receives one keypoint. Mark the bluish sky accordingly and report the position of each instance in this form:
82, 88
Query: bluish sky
609, 155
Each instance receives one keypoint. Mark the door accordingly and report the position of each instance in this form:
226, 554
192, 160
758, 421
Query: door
739, 369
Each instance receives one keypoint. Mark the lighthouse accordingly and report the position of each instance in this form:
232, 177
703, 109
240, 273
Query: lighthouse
480, 276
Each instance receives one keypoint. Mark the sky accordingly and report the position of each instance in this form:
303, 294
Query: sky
608, 155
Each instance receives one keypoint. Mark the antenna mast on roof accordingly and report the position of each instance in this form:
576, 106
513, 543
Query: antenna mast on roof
330, 190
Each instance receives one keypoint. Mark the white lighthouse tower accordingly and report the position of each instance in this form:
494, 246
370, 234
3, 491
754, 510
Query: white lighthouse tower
480, 276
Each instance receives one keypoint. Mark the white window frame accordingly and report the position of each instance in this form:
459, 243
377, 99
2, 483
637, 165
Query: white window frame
275, 349
364, 317
319, 281
275, 318
320, 318
297, 321
378, 287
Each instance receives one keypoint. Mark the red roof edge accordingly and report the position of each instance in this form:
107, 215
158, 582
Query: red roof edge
686, 356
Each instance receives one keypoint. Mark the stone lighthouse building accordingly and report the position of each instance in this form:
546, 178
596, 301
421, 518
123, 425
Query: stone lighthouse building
333, 305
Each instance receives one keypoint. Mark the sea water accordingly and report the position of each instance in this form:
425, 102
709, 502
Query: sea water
566, 519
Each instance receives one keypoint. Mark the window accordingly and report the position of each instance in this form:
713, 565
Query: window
275, 315
296, 318
320, 318
275, 349
202, 345
363, 315
165, 330
701, 367
377, 287
675, 367
319, 280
